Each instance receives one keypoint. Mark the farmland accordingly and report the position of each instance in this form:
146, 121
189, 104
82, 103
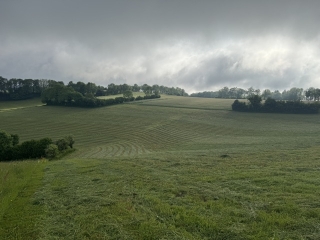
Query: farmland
169, 168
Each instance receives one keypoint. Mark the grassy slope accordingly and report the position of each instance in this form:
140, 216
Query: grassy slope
173, 169
19, 214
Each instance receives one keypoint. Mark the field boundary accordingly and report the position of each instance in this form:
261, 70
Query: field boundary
18, 108
155, 105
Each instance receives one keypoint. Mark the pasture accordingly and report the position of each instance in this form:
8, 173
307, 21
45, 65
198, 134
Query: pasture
169, 168
13, 105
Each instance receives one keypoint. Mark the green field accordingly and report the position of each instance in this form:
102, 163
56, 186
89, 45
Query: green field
135, 94
169, 168
13, 105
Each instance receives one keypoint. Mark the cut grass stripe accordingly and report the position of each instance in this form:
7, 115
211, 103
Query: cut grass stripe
19, 209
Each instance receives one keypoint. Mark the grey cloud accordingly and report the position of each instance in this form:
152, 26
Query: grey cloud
231, 70
109, 20
164, 42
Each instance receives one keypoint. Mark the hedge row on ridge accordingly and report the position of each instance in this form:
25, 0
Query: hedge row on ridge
273, 106
65, 96
10, 149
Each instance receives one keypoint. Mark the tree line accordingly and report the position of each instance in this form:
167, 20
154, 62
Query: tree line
10, 149
293, 94
155, 89
271, 105
19, 89
61, 95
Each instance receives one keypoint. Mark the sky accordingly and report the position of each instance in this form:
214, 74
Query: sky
197, 45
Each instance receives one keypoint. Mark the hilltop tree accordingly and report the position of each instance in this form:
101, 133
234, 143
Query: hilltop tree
112, 89
310, 93
276, 95
223, 93
250, 91
156, 89
317, 94
124, 87
147, 89
255, 101
136, 88
91, 88
265, 94
294, 94
313, 94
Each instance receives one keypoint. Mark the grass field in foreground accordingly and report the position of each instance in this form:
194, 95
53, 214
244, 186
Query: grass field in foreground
18, 215
154, 170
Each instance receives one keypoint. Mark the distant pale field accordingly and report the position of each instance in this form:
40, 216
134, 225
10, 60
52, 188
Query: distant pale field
135, 94
169, 168
181, 102
190, 102
9, 105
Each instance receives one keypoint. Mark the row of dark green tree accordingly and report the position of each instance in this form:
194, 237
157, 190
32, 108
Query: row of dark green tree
10, 149
271, 105
293, 94
114, 89
18, 89
61, 95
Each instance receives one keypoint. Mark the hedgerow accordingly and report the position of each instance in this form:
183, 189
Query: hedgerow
65, 96
10, 149
273, 106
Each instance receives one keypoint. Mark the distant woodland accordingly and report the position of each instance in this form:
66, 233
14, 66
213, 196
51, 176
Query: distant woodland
19, 89
294, 94
271, 105
82, 94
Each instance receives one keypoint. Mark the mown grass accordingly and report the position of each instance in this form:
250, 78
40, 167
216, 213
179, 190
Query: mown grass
19, 213
184, 196
131, 129
174, 169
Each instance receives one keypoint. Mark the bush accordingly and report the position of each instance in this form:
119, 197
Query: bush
41, 146
151, 96
239, 106
28, 149
52, 151
119, 100
139, 98
70, 141
62, 144
10, 149
32, 149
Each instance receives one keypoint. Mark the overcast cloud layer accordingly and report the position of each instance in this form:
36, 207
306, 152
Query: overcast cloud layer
196, 45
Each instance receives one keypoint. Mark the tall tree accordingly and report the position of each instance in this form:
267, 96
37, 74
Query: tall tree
255, 101
223, 93
128, 94
265, 94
